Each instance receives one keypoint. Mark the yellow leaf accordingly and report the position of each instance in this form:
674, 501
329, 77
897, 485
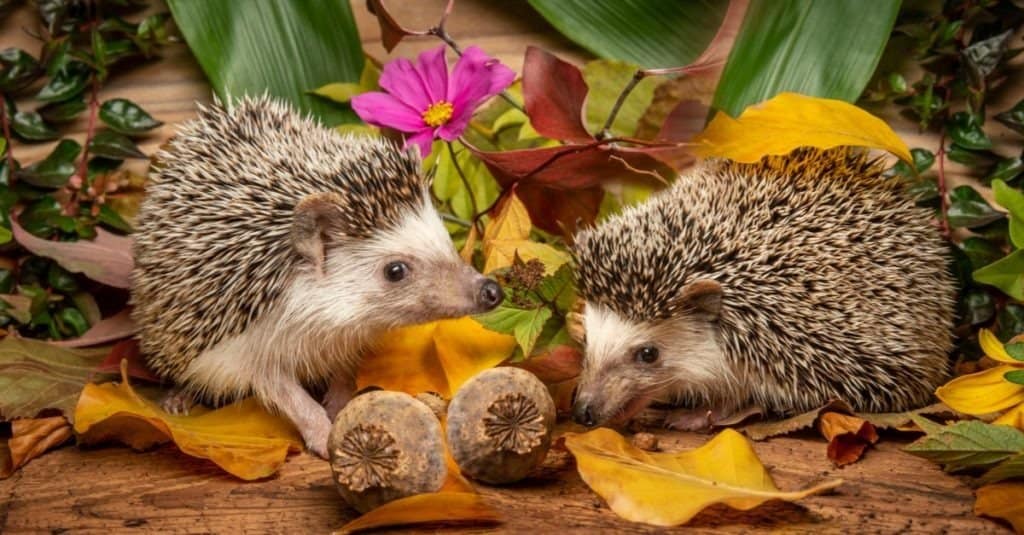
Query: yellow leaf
358, 130
1013, 417
790, 120
242, 438
994, 348
467, 250
1002, 500
982, 393
668, 489
340, 91
433, 357
458, 507
511, 223
508, 234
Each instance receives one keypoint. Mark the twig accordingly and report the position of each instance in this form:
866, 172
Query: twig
441, 33
638, 76
465, 184
94, 104
7, 135
452, 218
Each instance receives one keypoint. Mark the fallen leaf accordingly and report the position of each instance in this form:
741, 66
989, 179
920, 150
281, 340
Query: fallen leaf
848, 436
434, 357
668, 489
1002, 500
967, 444
789, 120
35, 376
115, 327
242, 438
1012, 467
508, 235
763, 430
107, 258
441, 507
129, 352
31, 438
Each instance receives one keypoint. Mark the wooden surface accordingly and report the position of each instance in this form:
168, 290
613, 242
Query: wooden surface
116, 490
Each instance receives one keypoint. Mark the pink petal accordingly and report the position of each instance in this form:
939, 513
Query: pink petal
401, 79
382, 109
423, 139
433, 71
476, 77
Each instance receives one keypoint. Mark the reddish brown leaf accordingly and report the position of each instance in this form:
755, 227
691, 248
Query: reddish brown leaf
848, 436
713, 58
31, 438
554, 92
560, 211
106, 258
683, 122
128, 351
115, 327
391, 32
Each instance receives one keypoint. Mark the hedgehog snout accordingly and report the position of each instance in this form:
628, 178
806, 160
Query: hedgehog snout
489, 296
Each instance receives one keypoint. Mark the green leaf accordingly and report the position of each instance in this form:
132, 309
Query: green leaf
72, 321
965, 130
1010, 321
1007, 169
62, 112
126, 117
30, 125
1013, 200
5, 235
605, 80
17, 69
1010, 468
36, 376
558, 288
647, 33
526, 325
1013, 118
923, 159
281, 48
113, 145
785, 45
55, 170
980, 251
967, 208
1006, 274
109, 217
978, 306
67, 83
1015, 376
968, 157
967, 444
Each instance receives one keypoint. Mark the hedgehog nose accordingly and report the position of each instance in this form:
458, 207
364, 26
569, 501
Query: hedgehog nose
583, 415
490, 295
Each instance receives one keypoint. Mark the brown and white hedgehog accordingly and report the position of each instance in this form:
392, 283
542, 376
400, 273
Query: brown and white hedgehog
779, 285
270, 252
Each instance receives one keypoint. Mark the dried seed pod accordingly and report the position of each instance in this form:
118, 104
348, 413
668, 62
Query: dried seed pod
499, 425
385, 446
434, 402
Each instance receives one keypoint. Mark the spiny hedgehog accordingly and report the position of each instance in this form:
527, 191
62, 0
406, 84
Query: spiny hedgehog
778, 285
270, 252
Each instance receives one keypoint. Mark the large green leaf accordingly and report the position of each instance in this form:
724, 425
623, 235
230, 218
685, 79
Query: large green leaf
282, 48
650, 33
819, 48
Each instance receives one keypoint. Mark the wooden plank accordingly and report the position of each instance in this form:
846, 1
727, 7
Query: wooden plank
111, 489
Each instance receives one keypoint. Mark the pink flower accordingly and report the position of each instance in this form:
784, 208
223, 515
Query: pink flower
423, 100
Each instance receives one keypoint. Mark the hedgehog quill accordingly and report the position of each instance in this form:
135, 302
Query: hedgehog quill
270, 252
779, 285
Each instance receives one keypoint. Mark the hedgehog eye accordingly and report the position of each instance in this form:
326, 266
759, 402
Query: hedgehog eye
646, 354
396, 271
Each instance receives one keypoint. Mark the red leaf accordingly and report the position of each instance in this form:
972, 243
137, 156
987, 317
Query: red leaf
391, 32
560, 364
127, 350
712, 60
115, 327
554, 93
106, 258
683, 122
560, 211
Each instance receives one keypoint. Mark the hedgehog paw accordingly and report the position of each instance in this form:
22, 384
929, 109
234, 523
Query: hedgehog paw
316, 438
178, 402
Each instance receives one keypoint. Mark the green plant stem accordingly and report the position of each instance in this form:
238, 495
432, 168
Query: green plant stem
7, 136
638, 76
452, 218
465, 184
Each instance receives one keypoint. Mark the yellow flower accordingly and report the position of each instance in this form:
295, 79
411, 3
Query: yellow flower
988, 391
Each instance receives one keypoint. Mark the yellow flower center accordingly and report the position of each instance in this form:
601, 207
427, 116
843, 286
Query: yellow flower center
438, 113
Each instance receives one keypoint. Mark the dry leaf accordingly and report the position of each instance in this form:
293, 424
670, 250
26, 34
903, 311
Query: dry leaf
848, 436
470, 247
763, 430
107, 258
790, 120
35, 375
509, 234
434, 357
446, 507
1002, 500
668, 489
242, 438
31, 438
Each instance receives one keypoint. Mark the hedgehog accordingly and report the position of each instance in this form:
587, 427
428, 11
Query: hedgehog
271, 251
771, 287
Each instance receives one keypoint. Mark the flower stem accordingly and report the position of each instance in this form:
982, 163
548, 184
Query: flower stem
465, 184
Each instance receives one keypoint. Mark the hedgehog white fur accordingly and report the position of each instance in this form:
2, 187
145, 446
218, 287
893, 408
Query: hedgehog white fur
270, 251
779, 285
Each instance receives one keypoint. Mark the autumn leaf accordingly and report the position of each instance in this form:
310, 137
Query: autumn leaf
434, 357
128, 352
36, 375
790, 120
115, 327
508, 235
107, 258
242, 438
668, 489
967, 444
441, 507
848, 436
30, 438
1002, 500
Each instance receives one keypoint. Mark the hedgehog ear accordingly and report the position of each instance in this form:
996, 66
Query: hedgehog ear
703, 296
313, 215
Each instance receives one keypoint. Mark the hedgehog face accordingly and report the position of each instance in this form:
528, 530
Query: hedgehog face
630, 363
406, 274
